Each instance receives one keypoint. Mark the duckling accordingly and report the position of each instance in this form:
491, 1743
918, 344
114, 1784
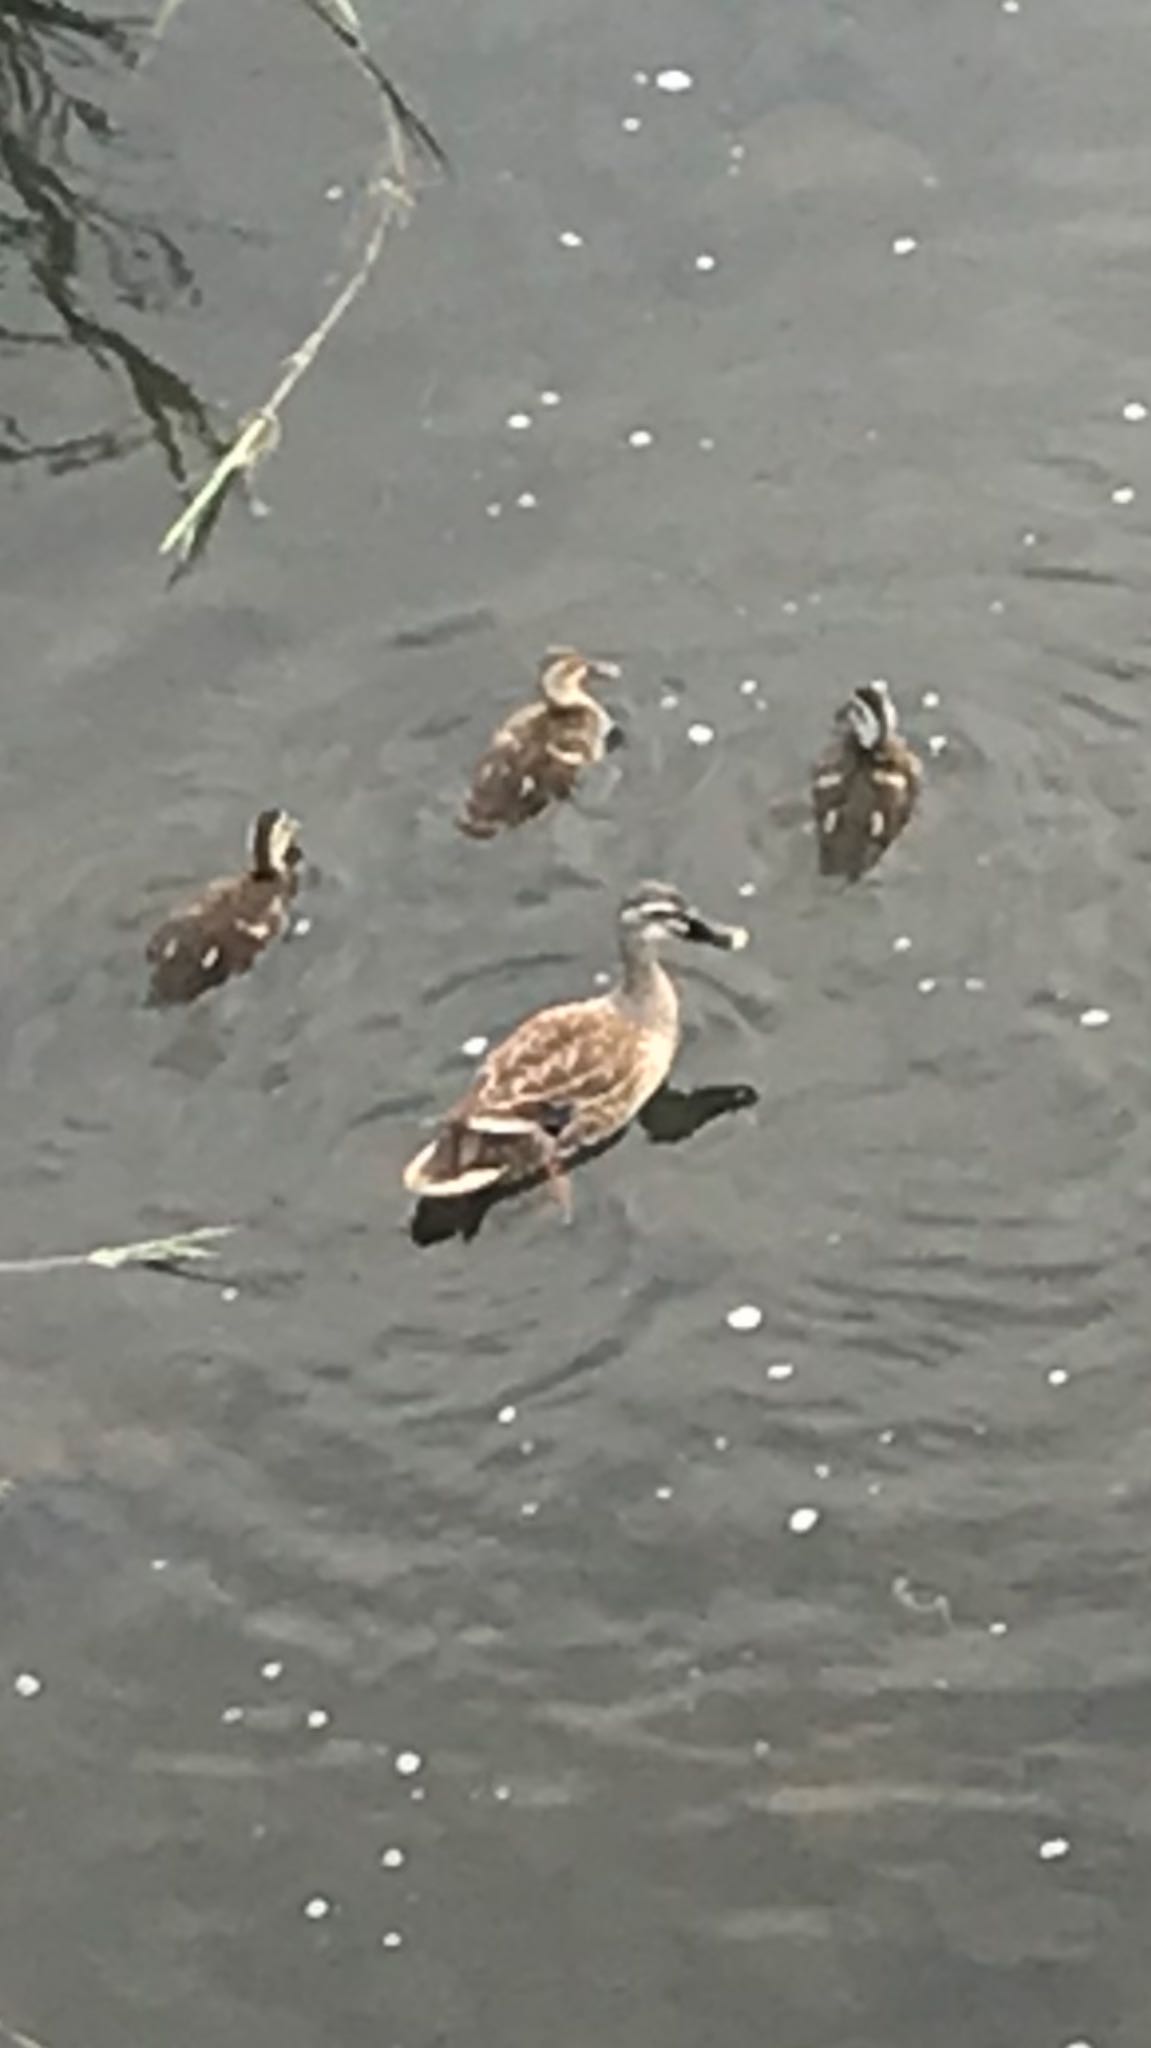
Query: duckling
535, 757
864, 788
224, 929
570, 1077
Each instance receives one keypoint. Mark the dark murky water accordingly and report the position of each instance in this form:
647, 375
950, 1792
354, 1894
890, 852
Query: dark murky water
524, 1510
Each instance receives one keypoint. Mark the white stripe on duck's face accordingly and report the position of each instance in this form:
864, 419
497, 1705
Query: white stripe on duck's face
869, 715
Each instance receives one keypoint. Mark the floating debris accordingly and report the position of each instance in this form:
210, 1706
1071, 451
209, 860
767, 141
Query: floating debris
631, 124
782, 1370
1135, 411
318, 1717
930, 700
507, 1414
1058, 1376
904, 245
317, 1908
1093, 1020
26, 1685
664, 1492
746, 889
801, 1521
997, 1628
570, 240
392, 1939
902, 944
1123, 494
701, 735
640, 437
271, 1671
550, 398
674, 80
705, 261
527, 501
927, 986
1054, 1850
474, 1048
519, 422
408, 1762
231, 1715
393, 1859
530, 1509
746, 1317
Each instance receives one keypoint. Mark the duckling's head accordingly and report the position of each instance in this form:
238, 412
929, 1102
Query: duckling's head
869, 715
565, 675
273, 846
653, 911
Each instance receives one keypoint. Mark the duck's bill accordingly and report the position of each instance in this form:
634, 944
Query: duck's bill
702, 932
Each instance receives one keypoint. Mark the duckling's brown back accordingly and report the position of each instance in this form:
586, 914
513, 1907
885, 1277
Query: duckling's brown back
862, 802
219, 935
533, 761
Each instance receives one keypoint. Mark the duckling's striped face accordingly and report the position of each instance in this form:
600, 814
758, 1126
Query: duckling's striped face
656, 910
274, 844
869, 715
565, 677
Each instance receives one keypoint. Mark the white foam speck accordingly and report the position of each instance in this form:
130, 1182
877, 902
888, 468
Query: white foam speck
937, 744
746, 1317
997, 607
904, 245
641, 77
674, 80
801, 1521
27, 1685
902, 944
1093, 1020
631, 124
1012, 7
530, 1510
640, 437
318, 1717
1030, 540
494, 510
408, 1762
501, 1792
527, 500
974, 984
507, 1414
1054, 1850
231, 1715
317, 1908
783, 1370
930, 700
519, 422
887, 1436
475, 1046
707, 445
822, 1471
1058, 1376
668, 701
229, 1294
549, 398
272, 1671
663, 1492
789, 606
570, 240
760, 1748
334, 192
746, 889
749, 686
722, 1443
393, 1859
1135, 410
927, 986
392, 1939
159, 1564
1123, 494
997, 1628
705, 261
701, 735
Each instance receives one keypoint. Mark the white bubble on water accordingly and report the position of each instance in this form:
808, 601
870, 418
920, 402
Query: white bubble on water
318, 1717
529, 1510
640, 437
392, 1939
272, 1670
641, 77
801, 1521
701, 735
674, 80
549, 398
746, 1317
494, 510
663, 1492
902, 944
746, 889
1012, 7
904, 245
1135, 411
1058, 1376
782, 1370
706, 444
474, 1047
570, 240
749, 686
722, 1443
705, 261
408, 1762
821, 1471
26, 1685
930, 700
507, 1413
927, 986
231, 1715
631, 124
1094, 1020
393, 1859
1123, 494
997, 1628
937, 744
317, 1907
974, 984
519, 422
1054, 1850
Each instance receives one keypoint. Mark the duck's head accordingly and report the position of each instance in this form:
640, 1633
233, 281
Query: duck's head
654, 911
869, 715
273, 846
565, 677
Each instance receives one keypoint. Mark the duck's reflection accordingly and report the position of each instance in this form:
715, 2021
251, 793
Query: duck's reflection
671, 1116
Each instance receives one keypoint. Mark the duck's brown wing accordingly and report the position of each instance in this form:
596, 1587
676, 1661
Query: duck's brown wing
579, 1071
517, 778
861, 805
218, 935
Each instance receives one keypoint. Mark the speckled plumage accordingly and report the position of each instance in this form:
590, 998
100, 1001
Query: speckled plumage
865, 786
573, 1075
224, 929
536, 757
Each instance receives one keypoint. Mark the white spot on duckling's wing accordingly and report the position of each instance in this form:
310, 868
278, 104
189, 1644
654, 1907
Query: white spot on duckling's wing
877, 824
829, 822
258, 931
170, 949
831, 778
495, 1126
